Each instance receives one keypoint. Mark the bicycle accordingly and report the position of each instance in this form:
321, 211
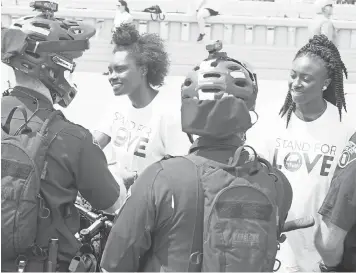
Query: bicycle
93, 239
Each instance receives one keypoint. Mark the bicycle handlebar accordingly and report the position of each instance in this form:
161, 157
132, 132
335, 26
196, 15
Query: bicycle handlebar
99, 221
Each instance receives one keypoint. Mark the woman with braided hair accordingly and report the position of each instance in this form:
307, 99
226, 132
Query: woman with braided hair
306, 140
322, 50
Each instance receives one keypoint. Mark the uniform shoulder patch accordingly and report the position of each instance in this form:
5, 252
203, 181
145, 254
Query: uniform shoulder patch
348, 155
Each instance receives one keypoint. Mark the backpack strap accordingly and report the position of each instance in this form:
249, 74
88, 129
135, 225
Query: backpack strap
196, 257
6, 126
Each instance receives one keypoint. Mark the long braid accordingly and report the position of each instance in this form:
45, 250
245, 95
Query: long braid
320, 47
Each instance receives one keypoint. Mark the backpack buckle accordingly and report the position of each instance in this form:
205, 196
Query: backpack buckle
279, 265
22, 262
196, 258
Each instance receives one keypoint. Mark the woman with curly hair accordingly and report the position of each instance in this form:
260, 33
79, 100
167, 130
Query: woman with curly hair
307, 139
144, 124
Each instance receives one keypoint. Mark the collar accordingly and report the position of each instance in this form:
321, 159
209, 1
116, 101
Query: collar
31, 98
209, 143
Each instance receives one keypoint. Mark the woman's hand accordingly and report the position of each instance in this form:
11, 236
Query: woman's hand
128, 177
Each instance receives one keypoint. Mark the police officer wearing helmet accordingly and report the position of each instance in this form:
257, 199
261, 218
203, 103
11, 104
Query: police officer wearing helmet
157, 228
41, 50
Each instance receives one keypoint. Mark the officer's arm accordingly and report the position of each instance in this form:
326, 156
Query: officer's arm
130, 237
329, 241
339, 216
102, 139
94, 180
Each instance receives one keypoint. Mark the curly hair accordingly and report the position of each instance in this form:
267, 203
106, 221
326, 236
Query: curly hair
147, 49
321, 47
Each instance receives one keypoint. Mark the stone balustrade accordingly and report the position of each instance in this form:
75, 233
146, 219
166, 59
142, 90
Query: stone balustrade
269, 44
229, 7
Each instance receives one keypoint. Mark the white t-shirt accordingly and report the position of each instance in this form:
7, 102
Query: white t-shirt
140, 137
122, 17
307, 153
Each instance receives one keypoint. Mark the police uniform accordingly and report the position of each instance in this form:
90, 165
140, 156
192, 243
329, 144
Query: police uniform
155, 228
74, 163
339, 205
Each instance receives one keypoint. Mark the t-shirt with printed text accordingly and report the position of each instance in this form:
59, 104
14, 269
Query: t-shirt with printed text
140, 137
307, 153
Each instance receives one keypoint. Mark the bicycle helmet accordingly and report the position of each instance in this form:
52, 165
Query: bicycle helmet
44, 47
218, 95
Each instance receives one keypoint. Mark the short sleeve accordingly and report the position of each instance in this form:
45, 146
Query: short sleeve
339, 205
106, 122
176, 142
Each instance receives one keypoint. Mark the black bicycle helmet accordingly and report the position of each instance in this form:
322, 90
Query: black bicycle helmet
44, 48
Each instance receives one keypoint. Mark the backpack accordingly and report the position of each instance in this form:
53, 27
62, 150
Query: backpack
155, 10
245, 205
23, 165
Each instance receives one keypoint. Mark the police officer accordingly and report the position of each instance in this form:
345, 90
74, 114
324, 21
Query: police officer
335, 237
155, 227
41, 50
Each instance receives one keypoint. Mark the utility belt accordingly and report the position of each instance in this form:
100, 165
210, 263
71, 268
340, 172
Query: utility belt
38, 259
35, 259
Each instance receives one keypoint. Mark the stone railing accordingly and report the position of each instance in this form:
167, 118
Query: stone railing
229, 7
269, 44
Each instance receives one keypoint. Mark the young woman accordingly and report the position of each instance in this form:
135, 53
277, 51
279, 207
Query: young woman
144, 123
122, 15
305, 142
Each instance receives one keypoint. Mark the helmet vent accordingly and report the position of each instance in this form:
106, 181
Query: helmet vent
211, 90
212, 75
41, 25
36, 38
77, 31
196, 68
27, 17
17, 25
234, 68
240, 83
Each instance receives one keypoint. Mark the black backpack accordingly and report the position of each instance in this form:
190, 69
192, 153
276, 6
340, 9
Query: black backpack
157, 11
23, 166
